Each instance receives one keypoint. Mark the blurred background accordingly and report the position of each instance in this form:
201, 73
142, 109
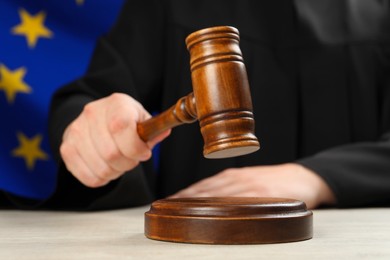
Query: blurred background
43, 45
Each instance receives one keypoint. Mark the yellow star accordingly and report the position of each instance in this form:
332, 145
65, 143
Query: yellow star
80, 2
32, 27
12, 82
29, 149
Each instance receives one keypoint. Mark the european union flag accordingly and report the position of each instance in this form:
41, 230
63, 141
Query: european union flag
43, 45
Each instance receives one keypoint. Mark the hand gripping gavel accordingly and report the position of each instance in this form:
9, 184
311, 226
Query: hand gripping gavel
221, 100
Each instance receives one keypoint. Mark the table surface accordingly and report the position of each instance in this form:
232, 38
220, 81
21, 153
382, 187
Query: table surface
118, 234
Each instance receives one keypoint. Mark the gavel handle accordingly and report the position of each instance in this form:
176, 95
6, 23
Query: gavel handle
184, 111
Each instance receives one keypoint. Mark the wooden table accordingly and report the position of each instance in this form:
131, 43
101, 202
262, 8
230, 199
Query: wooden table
338, 234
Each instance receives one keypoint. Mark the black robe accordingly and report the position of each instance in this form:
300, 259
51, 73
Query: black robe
319, 74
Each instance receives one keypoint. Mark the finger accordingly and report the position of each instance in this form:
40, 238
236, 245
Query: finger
123, 130
80, 138
105, 145
92, 159
75, 165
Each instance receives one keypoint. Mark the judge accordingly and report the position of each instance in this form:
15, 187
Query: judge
319, 78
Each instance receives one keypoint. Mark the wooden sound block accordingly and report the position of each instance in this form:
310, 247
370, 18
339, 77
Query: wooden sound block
229, 220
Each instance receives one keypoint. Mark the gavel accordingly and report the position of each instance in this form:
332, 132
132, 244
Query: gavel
220, 101
222, 104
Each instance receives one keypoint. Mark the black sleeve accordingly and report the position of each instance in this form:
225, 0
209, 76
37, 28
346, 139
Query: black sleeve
359, 173
127, 60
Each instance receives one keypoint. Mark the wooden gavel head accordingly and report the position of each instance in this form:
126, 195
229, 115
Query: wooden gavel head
221, 91
221, 100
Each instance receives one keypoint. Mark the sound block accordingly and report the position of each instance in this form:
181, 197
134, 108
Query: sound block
229, 220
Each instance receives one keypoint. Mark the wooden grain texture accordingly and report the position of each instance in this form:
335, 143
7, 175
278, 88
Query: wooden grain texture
221, 100
229, 220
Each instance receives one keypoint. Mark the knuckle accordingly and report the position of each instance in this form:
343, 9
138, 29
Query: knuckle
138, 153
134, 164
73, 129
89, 110
111, 155
121, 99
118, 124
94, 182
116, 97
104, 173
130, 164
228, 172
85, 176
66, 151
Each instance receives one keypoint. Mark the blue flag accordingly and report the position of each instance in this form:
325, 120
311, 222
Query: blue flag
43, 45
